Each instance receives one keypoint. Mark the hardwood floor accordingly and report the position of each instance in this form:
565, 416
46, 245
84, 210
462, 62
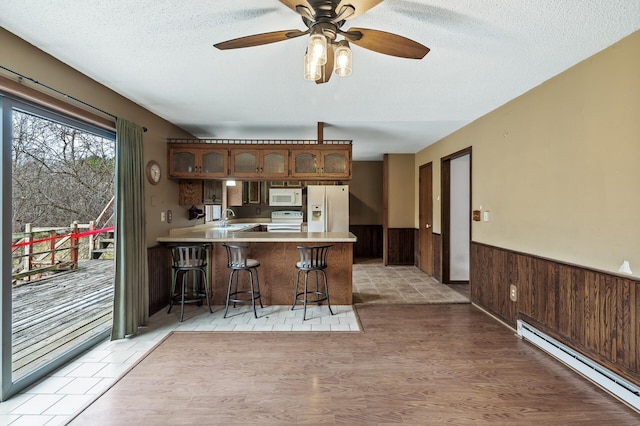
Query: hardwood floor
413, 364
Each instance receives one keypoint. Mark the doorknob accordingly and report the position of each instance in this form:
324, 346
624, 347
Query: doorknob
427, 226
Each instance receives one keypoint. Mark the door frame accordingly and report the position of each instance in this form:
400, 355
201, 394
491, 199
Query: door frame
445, 206
425, 217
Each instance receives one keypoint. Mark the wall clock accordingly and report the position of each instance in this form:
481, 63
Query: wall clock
153, 172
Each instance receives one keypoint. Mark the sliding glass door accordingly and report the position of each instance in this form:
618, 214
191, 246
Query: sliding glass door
57, 228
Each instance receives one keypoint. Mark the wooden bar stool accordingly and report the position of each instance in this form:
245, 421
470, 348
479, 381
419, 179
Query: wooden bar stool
237, 261
188, 261
312, 259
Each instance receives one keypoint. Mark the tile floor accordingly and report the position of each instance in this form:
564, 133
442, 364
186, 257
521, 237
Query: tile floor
375, 283
54, 400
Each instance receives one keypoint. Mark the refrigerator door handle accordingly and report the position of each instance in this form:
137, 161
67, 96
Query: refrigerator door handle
327, 215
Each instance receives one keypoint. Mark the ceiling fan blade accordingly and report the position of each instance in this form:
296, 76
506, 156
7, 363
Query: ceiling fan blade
387, 43
327, 68
259, 39
360, 6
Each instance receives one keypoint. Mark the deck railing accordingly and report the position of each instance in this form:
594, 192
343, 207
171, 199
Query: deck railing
41, 250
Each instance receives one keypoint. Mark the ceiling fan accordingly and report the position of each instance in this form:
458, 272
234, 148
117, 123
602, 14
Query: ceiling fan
325, 54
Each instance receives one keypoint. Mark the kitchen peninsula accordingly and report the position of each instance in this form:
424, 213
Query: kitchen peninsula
277, 253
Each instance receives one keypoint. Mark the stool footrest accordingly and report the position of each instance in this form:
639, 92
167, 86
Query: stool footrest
189, 297
321, 296
251, 295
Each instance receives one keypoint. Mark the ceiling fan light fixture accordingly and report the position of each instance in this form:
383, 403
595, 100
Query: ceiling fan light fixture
312, 70
317, 46
343, 59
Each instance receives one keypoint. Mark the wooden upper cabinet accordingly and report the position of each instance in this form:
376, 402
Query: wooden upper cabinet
275, 163
182, 163
327, 162
192, 162
306, 163
269, 162
214, 163
336, 163
244, 163
260, 163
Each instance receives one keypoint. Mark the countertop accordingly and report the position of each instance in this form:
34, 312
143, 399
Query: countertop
235, 233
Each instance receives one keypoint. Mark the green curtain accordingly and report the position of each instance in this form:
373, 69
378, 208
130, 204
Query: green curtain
131, 298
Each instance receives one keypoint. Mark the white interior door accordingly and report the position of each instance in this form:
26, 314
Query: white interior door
460, 225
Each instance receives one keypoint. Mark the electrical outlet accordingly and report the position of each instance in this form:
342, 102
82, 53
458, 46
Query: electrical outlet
513, 293
169, 216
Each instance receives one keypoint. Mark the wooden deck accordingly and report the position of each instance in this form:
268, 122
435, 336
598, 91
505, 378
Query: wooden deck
52, 315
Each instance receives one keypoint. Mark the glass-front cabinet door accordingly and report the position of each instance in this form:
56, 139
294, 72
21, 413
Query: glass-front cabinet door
252, 163
275, 163
336, 163
214, 163
189, 162
305, 163
182, 162
244, 163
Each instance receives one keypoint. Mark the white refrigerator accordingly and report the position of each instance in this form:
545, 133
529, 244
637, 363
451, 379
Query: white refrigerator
328, 208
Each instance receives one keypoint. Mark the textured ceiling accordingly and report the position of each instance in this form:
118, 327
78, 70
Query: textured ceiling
159, 54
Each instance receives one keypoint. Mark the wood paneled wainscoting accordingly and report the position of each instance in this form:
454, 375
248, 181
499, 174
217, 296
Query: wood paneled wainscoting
437, 256
369, 242
159, 265
594, 312
401, 246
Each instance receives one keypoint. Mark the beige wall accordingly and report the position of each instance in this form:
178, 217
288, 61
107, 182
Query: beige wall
25, 59
401, 187
365, 188
559, 167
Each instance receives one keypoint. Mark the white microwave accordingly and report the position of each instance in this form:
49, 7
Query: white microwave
285, 197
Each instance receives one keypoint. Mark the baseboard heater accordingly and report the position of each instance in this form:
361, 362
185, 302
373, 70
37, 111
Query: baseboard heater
611, 382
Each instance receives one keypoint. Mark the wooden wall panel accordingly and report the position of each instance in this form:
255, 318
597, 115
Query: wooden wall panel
369, 244
537, 288
571, 302
278, 272
437, 256
596, 313
159, 265
490, 280
401, 246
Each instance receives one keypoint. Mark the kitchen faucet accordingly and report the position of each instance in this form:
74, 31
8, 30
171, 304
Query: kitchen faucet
225, 217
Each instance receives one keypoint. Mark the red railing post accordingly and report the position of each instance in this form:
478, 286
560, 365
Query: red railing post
28, 249
52, 247
92, 239
74, 245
